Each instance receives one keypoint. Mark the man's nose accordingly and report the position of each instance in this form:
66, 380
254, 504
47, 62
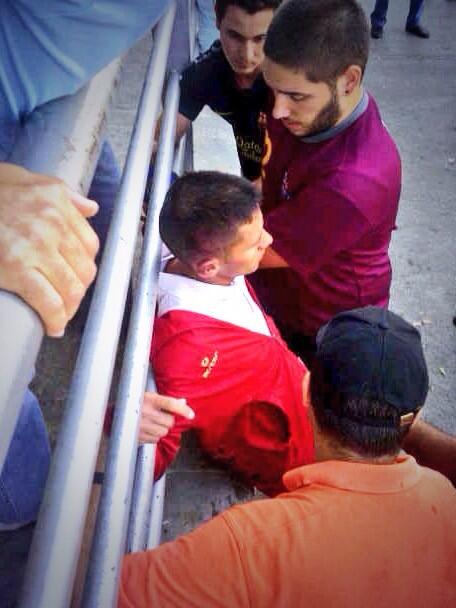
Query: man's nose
267, 239
281, 109
249, 52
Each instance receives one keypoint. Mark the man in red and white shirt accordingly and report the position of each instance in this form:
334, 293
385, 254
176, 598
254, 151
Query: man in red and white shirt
215, 346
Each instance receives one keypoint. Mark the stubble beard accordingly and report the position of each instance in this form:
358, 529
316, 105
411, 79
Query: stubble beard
328, 116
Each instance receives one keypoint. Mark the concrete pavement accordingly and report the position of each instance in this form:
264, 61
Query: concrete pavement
414, 83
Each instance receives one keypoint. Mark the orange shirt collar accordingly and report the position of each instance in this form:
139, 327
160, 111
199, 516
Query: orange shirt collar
357, 477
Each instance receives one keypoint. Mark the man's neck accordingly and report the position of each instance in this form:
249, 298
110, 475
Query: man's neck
175, 266
327, 449
245, 81
350, 111
349, 103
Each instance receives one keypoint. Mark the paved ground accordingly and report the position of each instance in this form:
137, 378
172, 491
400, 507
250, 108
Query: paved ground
414, 83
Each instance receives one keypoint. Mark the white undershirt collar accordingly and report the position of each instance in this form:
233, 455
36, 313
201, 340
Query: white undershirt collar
230, 303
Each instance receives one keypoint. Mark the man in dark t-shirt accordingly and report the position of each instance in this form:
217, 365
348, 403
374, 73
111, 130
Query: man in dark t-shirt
228, 79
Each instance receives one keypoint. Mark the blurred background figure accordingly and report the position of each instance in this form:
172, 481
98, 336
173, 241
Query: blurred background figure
412, 26
207, 30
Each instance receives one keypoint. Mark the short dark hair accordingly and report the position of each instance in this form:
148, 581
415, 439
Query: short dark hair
321, 37
203, 211
363, 424
249, 6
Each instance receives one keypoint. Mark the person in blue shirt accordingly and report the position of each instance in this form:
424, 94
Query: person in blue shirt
48, 49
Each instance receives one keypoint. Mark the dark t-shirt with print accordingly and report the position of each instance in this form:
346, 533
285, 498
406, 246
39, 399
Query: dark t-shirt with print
209, 80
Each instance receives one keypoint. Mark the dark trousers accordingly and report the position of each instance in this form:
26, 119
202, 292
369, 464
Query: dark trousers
378, 16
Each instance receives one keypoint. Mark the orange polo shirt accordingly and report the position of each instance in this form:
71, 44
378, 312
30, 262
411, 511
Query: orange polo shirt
346, 534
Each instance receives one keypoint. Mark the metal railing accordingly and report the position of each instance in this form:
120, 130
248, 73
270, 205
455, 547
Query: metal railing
112, 520
58, 536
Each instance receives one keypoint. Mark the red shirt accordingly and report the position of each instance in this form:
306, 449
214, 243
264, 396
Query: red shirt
331, 206
245, 389
346, 535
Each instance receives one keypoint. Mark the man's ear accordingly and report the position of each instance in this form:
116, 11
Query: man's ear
207, 269
349, 80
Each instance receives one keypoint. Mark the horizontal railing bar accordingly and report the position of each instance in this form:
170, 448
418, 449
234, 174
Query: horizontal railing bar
21, 335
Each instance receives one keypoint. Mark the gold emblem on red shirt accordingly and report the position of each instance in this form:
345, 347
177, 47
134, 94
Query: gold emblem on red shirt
208, 363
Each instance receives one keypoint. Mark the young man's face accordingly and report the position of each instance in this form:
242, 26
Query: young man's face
245, 253
304, 107
242, 37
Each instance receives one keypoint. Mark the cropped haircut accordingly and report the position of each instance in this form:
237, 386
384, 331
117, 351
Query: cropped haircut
365, 425
320, 37
249, 6
202, 213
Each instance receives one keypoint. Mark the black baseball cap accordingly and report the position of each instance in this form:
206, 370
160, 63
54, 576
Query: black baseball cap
374, 353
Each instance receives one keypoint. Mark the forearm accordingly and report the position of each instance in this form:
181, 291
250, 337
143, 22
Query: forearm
432, 448
182, 125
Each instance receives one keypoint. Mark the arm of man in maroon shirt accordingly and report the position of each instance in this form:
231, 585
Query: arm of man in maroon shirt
336, 225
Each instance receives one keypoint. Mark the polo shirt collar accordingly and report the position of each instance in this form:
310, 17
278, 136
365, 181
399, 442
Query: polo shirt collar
357, 477
195, 294
188, 287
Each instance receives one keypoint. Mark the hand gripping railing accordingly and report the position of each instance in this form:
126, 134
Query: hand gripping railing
57, 540
112, 519
145, 523
68, 131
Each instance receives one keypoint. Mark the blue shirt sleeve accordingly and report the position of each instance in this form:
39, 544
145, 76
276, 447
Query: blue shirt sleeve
50, 48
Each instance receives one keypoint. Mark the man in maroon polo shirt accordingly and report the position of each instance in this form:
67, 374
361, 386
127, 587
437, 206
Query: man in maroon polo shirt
332, 172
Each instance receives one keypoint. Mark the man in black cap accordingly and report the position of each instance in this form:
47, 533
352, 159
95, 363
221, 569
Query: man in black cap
365, 525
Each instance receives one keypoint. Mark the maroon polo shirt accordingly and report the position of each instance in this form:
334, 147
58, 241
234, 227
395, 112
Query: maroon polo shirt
330, 202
